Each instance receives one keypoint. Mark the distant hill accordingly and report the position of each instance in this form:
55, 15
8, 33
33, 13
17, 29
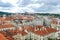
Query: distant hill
1, 13
44, 14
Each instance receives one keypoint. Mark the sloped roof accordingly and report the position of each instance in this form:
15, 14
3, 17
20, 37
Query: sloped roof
28, 28
8, 25
51, 29
8, 18
2, 37
45, 31
23, 33
38, 26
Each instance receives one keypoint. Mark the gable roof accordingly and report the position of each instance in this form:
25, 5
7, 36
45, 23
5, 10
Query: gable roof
45, 31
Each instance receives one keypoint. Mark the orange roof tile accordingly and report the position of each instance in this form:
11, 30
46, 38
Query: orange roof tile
8, 18
8, 25
41, 33
25, 18
28, 18
54, 30
50, 30
28, 28
2, 37
38, 26
23, 33
20, 17
1, 26
14, 32
10, 38
46, 31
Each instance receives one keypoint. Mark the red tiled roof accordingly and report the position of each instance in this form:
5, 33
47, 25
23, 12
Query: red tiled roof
1, 18
46, 31
38, 26
10, 38
8, 25
20, 17
1, 26
2, 37
14, 32
28, 28
8, 18
26, 18
41, 33
50, 30
54, 30
23, 33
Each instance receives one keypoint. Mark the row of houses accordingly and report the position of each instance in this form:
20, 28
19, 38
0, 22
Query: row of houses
32, 28
36, 33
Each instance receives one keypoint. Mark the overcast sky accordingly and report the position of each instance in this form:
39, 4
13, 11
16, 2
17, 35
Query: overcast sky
52, 6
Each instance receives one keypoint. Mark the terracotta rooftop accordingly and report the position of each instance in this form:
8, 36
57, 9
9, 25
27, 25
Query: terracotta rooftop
50, 30
26, 17
8, 18
45, 31
7, 35
28, 28
2, 37
38, 26
1, 26
14, 32
20, 17
1, 18
8, 25
41, 33
23, 33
